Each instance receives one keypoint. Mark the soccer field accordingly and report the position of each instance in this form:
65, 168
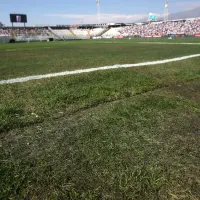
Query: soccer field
125, 133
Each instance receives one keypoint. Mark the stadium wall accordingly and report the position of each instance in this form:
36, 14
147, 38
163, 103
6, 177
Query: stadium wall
5, 39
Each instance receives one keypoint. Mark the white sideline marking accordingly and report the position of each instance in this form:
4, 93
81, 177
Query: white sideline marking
23, 49
11, 50
168, 43
28, 78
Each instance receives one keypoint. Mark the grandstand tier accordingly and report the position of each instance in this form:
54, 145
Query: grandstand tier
153, 29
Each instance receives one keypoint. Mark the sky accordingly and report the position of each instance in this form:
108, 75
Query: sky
63, 12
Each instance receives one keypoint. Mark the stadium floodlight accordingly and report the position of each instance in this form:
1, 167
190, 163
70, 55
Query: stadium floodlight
166, 13
98, 10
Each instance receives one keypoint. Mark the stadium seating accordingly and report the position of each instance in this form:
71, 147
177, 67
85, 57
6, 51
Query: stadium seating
113, 32
153, 29
97, 32
24, 34
64, 34
189, 27
4, 32
4, 36
81, 33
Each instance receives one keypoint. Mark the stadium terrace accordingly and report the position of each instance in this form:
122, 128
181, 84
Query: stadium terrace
169, 29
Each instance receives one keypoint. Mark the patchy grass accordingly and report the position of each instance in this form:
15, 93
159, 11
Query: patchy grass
117, 134
25, 103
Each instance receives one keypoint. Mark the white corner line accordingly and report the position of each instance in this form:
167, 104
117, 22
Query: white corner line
36, 77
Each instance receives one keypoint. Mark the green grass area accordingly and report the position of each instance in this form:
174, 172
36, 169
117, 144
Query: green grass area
117, 134
41, 58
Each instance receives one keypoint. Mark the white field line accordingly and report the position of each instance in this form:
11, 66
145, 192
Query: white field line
11, 50
23, 49
168, 43
36, 77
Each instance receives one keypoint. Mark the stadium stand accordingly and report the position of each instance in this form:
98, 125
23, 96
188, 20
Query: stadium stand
24, 34
96, 32
31, 34
113, 32
81, 33
74, 34
4, 32
5, 36
190, 27
63, 34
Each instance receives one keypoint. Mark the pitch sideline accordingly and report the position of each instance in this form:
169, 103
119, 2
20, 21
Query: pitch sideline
36, 77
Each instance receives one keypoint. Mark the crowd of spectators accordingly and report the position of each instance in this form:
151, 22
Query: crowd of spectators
4, 32
25, 32
189, 27
163, 28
